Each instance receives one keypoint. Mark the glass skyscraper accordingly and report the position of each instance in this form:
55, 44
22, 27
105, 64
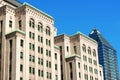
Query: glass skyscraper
107, 56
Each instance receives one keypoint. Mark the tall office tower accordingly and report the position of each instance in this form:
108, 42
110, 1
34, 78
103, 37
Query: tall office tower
27, 50
79, 57
107, 56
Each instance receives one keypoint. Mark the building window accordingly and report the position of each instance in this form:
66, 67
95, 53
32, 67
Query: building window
46, 63
85, 76
91, 77
31, 23
91, 69
94, 52
21, 43
90, 60
38, 60
55, 66
70, 64
55, 55
95, 62
78, 64
21, 55
31, 46
84, 58
21, 67
41, 61
95, 71
89, 50
38, 38
10, 23
56, 77
41, 39
31, 70
79, 75
38, 49
49, 53
38, 72
20, 24
40, 27
60, 48
42, 73
85, 67
67, 49
48, 30
31, 58
84, 48
41, 50
21, 78
49, 64
46, 52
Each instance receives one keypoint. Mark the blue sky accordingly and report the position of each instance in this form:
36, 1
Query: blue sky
72, 16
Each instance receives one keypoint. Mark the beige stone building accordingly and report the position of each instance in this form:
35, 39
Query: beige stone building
27, 50
79, 57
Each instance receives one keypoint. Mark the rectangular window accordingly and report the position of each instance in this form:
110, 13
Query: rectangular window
21, 43
78, 65
41, 50
41, 61
21, 67
55, 55
10, 23
49, 64
21, 55
46, 52
49, 53
30, 46
46, 63
30, 34
41, 39
38, 72
20, 24
56, 77
70, 64
38, 60
42, 73
38, 38
38, 49
79, 75
55, 66
33, 35
21, 78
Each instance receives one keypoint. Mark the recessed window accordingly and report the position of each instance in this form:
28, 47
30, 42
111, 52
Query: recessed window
21, 55
40, 27
21, 67
84, 47
55, 55
75, 49
31, 23
10, 23
89, 50
20, 24
21, 43
67, 49
48, 31
94, 52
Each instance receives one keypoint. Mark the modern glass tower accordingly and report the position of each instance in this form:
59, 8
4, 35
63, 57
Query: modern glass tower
107, 56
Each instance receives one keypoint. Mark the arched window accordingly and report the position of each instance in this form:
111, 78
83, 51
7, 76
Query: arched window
31, 23
89, 50
94, 52
84, 47
40, 27
48, 30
